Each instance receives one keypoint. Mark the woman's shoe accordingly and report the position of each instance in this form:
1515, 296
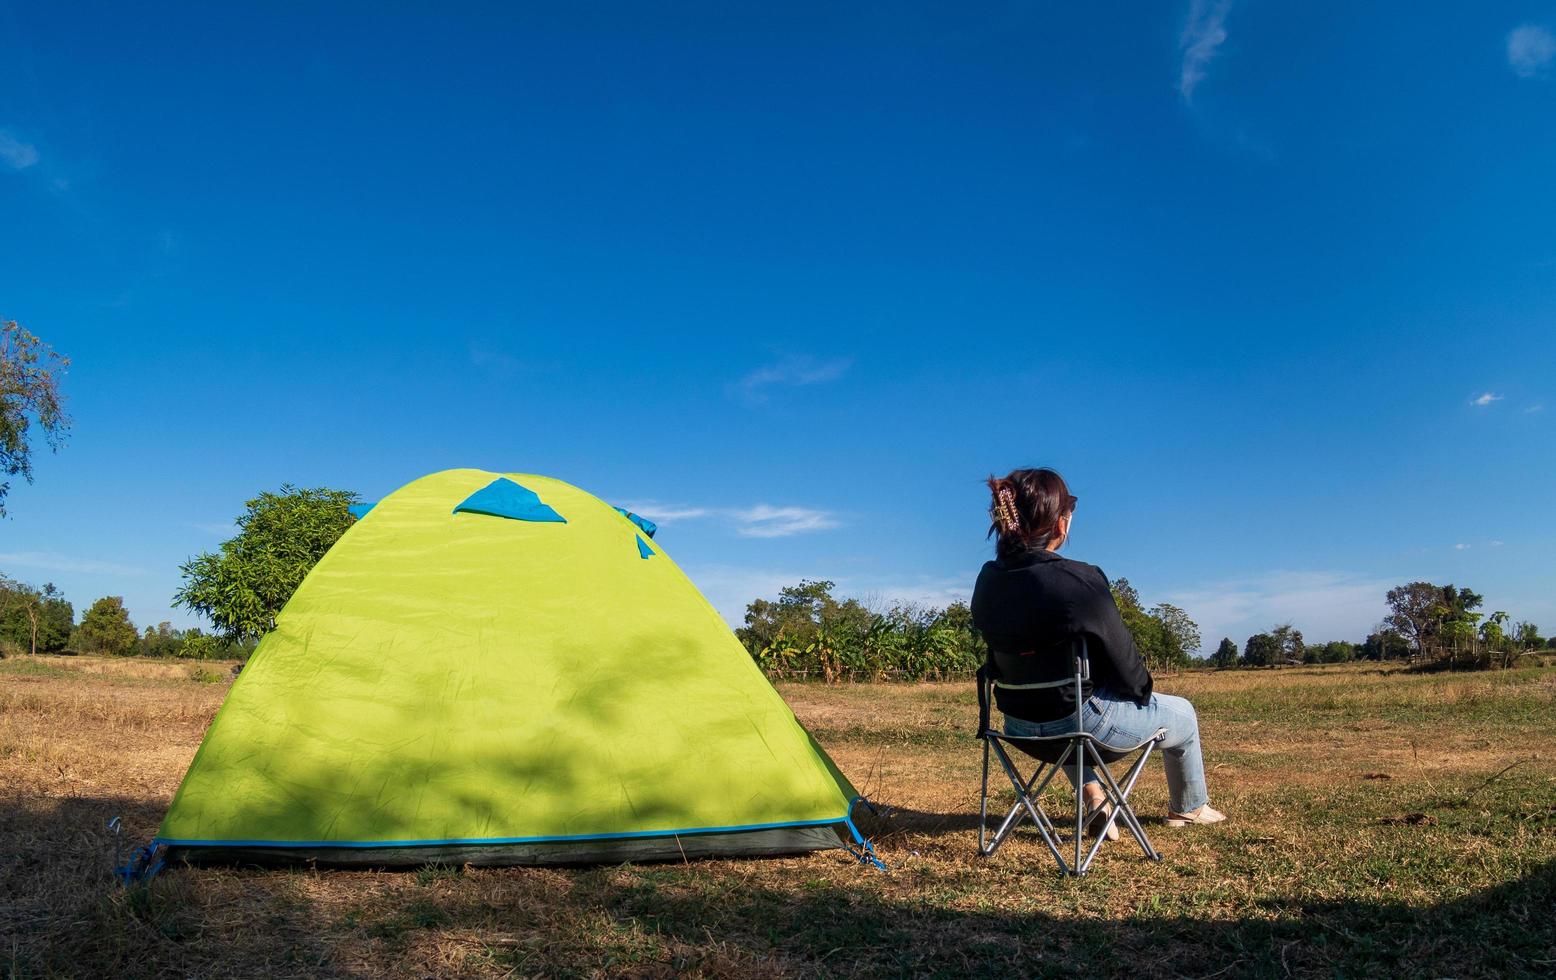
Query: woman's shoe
1097, 816
1205, 814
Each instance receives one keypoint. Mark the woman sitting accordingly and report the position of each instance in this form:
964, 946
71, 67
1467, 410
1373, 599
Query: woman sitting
1029, 602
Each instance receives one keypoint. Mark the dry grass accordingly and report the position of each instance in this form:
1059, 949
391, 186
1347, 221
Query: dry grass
1445, 867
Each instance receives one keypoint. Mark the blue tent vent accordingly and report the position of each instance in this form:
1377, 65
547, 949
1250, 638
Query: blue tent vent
644, 551
359, 511
647, 526
504, 498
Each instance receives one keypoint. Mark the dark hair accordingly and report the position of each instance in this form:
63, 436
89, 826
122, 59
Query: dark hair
1026, 508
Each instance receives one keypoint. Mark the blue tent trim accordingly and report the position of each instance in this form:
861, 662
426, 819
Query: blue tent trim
647, 526
626, 835
504, 498
359, 511
644, 551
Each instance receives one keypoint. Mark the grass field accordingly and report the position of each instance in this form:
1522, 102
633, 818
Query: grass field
1381, 823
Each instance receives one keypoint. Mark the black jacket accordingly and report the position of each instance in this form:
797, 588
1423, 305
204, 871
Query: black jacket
1028, 608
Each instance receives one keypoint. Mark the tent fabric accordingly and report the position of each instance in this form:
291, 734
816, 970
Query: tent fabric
510, 689
359, 511
505, 498
648, 527
644, 551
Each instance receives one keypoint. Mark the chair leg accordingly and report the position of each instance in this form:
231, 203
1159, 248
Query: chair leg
1119, 796
1025, 794
1078, 868
983, 803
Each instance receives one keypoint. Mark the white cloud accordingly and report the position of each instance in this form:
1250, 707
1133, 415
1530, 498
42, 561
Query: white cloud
1496, 544
730, 589
666, 513
1530, 50
1462, 547
1485, 399
757, 521
1323, 605
766, 521
48, 561
936, 593
1534, 408
16, 154
1203, 35
794, 371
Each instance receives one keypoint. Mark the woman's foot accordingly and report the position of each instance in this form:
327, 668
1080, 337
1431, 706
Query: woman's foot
1097, 815
1205, 814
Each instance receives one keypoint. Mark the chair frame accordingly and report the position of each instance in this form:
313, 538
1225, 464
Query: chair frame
1080, 748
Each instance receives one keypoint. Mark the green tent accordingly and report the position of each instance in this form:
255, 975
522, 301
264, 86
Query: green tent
503, 669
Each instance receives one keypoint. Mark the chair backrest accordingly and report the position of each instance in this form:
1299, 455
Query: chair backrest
1034, 670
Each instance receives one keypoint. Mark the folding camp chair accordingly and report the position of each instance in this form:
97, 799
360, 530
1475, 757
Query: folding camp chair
1076, 748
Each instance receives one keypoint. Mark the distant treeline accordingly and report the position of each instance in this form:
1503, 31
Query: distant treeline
1433, 626
809, 633
39, 619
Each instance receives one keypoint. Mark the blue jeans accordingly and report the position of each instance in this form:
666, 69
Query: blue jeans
1121, 724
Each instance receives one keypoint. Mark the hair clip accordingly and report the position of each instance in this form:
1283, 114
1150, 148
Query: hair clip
1005, 509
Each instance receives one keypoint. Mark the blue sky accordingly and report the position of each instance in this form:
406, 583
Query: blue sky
1274, 286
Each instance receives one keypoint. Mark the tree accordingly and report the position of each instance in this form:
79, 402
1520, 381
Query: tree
1150, 638
1385, 644
1261, 650
1333, 652
56, 620
38, 620
1491, 631
1181, 632
162, 641
1418, 610
1527, 635
29, 397
106, 629
1288, 644
1226, 654
281, 536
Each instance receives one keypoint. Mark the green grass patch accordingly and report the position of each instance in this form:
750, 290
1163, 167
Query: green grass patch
28, 667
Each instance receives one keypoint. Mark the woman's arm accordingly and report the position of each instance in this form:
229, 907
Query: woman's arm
1110, 645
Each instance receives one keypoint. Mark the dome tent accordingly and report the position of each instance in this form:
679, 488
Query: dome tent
502, 669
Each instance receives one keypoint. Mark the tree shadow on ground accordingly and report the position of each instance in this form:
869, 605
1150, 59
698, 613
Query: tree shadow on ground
1502, 931
816, 916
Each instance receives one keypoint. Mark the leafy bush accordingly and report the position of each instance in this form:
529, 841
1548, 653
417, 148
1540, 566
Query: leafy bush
807, 633
281, 536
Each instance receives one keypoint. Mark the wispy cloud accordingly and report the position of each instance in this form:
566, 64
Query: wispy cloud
15, 153
1496, 544
1534, 408
665, 513
731, 588
756, 521
936, 593
1461, 546
764, 521
1323, 605
1202, 37
48, 561
1530, 50
1485, 399
794, 371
